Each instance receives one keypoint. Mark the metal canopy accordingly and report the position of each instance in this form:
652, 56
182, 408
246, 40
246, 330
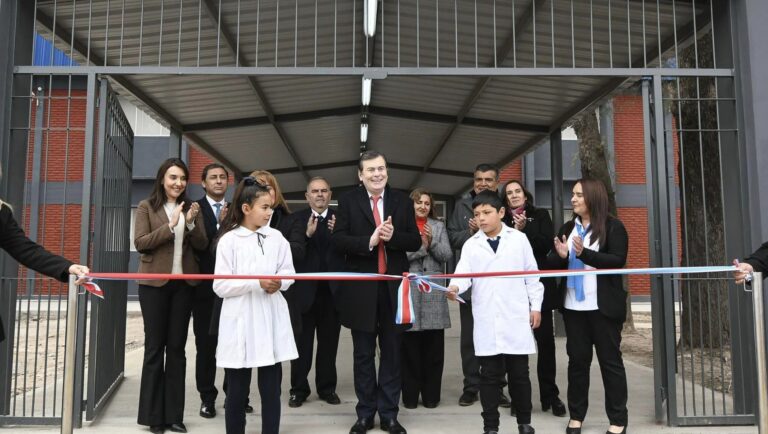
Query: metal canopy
434, 129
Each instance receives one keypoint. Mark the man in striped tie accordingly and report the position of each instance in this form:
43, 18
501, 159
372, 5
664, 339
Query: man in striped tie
375, 227
212, 206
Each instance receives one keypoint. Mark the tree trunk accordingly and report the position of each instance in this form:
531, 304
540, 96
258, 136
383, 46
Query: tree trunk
594, 164
705, 320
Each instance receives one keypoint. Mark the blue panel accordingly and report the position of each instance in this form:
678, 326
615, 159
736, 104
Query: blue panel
47, 55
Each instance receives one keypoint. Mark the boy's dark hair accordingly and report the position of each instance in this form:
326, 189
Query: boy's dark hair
487, 198
486, 167
370, 155
212, 166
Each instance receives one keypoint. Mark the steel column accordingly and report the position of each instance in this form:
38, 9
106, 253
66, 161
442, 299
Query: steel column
68, 419
556, 173
16, 30
758, 308
85, 239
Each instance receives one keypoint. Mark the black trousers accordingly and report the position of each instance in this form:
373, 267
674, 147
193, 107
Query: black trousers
546, 366
422, 369
166, 312
323, 319
492, 371
269, 380
380, 394
583, 330
205, 343
470, 366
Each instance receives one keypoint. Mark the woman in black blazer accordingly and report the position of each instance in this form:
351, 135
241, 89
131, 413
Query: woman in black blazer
594, 306
536, 224
30, 254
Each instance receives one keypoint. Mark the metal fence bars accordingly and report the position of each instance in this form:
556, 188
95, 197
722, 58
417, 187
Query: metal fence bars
703, 330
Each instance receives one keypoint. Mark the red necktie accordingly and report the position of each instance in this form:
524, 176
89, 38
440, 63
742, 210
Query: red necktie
377, 220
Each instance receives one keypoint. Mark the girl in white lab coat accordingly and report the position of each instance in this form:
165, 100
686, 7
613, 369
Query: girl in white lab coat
255, 325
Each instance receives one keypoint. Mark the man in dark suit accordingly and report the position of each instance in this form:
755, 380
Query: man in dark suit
375, 227
311, 302
212, 206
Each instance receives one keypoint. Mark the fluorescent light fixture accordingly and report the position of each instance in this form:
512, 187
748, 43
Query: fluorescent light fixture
367, 83
370, 12
363, 133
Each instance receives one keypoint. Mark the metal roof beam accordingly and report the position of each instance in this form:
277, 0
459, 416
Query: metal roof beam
686, 32
264, 120
354, 163
96, 59
521, 25
478, 122
351, 110
214, 14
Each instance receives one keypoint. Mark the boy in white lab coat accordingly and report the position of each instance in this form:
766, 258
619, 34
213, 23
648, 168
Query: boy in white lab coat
505, 310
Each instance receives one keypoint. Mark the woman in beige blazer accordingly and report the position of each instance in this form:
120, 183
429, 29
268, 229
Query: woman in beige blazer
167, 228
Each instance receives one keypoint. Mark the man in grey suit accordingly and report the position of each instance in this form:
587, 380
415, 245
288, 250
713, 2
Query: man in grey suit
461, 226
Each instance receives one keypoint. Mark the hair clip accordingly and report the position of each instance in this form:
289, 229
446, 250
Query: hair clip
249, 181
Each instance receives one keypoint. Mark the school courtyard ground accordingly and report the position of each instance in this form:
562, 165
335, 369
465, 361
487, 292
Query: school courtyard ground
317, 417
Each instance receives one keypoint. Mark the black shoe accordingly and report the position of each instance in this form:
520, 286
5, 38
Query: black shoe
248, 408
490, 432
504, 402
157, 429
557, 406
207, 410
467, 399
525, 428
428, 404
177, 427
331, 398
392, 427
295, 401
409, 405
569, 430
623, 431
361, 426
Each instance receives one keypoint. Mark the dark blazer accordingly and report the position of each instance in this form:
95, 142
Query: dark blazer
28, 253
293, 230
759, 259
357, 301
611, 295
318, 257
154, 240
540, 232
206, 257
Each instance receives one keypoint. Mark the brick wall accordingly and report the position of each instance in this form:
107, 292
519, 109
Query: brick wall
636, 222
513, 170
629, 146
197, 161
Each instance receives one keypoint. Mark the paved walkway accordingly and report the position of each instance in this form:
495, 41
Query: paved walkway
317, 417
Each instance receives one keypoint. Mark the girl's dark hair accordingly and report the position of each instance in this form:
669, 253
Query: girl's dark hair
158, 198
248, 190
528, 195
596, 199
421, 191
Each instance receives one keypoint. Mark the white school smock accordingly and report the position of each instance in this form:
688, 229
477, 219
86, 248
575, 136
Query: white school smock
255, 327
501, 306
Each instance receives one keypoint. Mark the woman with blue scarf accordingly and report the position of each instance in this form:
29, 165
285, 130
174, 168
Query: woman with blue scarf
594, 306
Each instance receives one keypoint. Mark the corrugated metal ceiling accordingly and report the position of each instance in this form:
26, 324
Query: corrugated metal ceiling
329, 33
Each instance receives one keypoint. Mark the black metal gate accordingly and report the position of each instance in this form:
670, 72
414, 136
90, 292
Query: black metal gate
704, 356
110, 253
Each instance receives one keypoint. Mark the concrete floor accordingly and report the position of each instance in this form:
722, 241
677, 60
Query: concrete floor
316, 416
